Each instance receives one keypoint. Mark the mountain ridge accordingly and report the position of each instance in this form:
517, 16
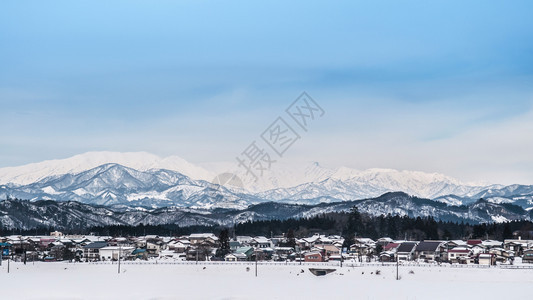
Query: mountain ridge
114, 184
72, 215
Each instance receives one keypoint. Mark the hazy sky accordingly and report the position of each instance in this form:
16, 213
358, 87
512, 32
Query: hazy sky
436, 86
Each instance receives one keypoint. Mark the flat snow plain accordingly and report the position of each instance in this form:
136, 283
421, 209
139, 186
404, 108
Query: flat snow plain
57, 280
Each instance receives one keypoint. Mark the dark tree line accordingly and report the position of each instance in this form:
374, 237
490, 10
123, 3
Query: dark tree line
348, 224
355, 224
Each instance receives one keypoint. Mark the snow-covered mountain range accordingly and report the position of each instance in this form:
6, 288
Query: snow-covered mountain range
19, 214
145, 180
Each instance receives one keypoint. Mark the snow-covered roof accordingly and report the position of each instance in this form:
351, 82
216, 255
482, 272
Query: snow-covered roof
491, 243
385, 239
244, 238
116, 248
203, 236
365, 240
311, 239
261, 240
325, 240
459, 250
94, 238
458, 242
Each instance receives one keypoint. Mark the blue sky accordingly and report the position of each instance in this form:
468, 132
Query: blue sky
437, 86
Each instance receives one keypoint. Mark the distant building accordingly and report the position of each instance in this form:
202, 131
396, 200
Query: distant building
91, 252
406, 251
56, 234
114, 252
313, 257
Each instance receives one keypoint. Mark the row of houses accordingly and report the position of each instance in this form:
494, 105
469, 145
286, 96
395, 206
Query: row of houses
487, 252
315, 248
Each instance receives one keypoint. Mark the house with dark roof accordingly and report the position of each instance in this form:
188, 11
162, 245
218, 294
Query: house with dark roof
406, 250
518, 245
430, 250
91, 251
527, 257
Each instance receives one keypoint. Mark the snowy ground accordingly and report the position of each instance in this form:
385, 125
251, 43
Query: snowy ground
233, 281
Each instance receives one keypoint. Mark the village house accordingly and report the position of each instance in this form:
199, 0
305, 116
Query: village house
363, 247
314, 256
230, 257
477, 249
282, 253
139, 254
527, 257
501, 255
489, 244
91, 252
244, 240
406, 251
233, 245
430, 250
330, 249
261, 242
317, 239
387, 256
384, 241
474, 242
486, 259
180, 246
153, 248
114, 252
263, 253
456, 243
459, 255
202, 238
389, 252
518, 245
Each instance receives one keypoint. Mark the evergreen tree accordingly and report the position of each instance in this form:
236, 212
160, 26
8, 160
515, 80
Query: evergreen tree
291, 240
507, 232
223, 238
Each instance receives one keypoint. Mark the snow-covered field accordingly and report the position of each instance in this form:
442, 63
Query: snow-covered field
234, 281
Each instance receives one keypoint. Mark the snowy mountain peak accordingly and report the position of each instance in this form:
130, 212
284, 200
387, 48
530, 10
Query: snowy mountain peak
141, 161
140, 177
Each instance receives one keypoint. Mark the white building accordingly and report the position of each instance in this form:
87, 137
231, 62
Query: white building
112, 252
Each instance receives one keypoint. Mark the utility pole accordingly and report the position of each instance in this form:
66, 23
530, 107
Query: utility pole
397, 267
256, 266
119, 252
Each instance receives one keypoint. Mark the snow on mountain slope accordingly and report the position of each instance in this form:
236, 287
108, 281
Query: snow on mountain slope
141, 178
349, 184
285, 179
290, 181
141, 161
